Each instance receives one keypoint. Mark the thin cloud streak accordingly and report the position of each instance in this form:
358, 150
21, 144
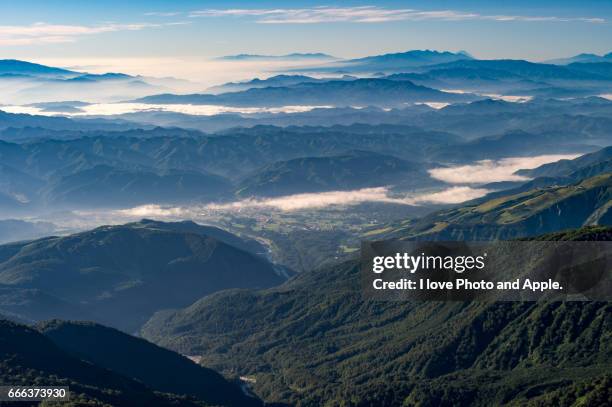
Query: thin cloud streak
163, 13
320, 200
371, 14
44, 33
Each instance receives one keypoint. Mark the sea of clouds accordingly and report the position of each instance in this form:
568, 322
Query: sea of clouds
465, 184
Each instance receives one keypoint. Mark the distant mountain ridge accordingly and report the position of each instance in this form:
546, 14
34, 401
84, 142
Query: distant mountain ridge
521, 68
169, 166
585, 57
75, 169
391, 62
483, 117
295, 55
358, 92
410, 59
104, 185
25, 83
352, 170
17, 67
440, 70
458, 73
273, 81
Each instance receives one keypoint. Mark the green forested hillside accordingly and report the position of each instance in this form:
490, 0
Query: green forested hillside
567, 167
120, 275
527, 213
143, 361
28, 358
314, 341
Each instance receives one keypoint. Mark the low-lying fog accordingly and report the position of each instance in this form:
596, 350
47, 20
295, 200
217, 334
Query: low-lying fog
310, 201
485, 171
201, 72
480, 172
108, 109
118, 108
149, 76
465, 183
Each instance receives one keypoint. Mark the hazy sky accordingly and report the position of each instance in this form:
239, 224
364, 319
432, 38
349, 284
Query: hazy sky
160, 35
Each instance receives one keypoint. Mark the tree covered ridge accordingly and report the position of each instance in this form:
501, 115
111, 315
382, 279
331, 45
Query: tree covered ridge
315, 341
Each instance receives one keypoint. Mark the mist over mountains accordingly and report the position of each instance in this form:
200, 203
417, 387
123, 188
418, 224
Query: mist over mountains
223, 225
359, 92
423, 75
317, 56
25, 82
588, 58
91, 169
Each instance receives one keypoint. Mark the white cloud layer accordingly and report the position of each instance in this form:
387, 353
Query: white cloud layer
309, 201
452, 195
44, 33
370, 14
478, 173
105, 109
485, 171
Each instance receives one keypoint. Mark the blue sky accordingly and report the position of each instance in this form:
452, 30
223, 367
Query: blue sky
153, 29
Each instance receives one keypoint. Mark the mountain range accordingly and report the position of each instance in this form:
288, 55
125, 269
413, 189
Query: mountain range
105, 169
574, 169
470, 120
312, 340
102, 366
270, 309
582, 75
390, 62
292, 56
273, 81
72, 164
26, 82
330, 345
353, 170
103, 184
358, 92
132, 357
420, 75
512, 214
120, 275
13, 67
585, 57
10, 121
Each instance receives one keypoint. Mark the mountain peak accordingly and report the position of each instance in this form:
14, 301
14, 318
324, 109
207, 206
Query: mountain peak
582, 57
15, 66
398, 61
